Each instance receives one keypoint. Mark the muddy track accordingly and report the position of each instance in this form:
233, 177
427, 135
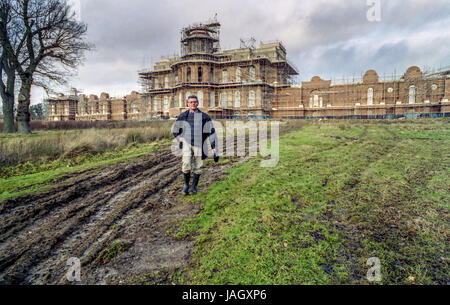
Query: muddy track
83, 213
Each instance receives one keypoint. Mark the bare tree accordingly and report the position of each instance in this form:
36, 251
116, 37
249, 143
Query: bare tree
7, 71
50, 44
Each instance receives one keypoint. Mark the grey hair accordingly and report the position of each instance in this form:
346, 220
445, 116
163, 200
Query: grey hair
191, 96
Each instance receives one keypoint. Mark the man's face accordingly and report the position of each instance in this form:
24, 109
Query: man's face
192, 104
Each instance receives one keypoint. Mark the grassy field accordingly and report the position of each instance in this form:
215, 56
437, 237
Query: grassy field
343, 192
29, 163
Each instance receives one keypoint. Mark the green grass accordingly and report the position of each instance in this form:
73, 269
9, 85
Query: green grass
341, 193
112, 251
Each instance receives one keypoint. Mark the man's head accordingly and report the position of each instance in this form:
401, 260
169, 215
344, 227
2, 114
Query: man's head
192, 102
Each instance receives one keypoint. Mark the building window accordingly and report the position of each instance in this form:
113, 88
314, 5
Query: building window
434, 87
251, 99
316, 101
156, 83
211, 75
188, 94
321, 102
134, 108
370, 96
176, 79
412, 94
188, 75
194, 46
212, 102
156, 104
203, 46
200, 98
238, 74
166, 103
224, 100
237, 99
224, 76
200, 75
166, 82
180, 100
104, 108
310, 102
390, 90
252, 74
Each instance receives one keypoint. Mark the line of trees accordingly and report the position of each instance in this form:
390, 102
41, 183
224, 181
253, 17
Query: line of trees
41, 42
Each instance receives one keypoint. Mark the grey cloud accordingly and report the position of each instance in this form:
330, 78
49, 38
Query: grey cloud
326, 38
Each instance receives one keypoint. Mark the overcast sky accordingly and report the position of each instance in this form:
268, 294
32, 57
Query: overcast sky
329, 38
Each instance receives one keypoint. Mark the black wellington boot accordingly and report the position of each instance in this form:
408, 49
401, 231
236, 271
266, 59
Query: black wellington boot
194, 184
187, 177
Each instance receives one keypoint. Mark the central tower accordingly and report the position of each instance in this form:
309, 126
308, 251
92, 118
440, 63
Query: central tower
200, 39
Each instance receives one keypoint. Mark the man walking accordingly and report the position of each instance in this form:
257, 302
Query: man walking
191, 130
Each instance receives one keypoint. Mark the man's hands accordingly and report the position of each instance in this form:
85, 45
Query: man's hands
213, 151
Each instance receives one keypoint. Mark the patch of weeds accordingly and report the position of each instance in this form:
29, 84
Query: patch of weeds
112, 251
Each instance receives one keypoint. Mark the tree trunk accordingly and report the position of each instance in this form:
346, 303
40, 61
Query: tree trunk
23, 109
8, 114
8, 103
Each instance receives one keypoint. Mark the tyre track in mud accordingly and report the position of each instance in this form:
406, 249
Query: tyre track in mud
83, 214
28, 235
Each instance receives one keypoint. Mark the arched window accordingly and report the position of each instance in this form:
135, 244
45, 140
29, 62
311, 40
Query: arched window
224, 100
188, 75
370, 96
166, 82
203, 46
200, 74
224, 76
211, 75
237, 99
238, 74
412, 94
200, 98
212, 102
251, 98
252, 74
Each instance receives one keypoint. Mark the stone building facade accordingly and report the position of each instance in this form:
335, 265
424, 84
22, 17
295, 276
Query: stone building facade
254, 82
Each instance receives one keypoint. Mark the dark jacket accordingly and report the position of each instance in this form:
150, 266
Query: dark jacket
210, 132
